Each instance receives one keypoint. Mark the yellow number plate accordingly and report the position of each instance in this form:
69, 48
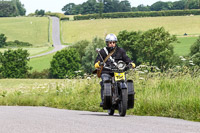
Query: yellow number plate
119, 76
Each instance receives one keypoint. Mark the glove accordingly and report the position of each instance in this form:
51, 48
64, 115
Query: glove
133, 65
97, 65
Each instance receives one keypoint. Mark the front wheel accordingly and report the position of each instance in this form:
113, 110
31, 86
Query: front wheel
123, 103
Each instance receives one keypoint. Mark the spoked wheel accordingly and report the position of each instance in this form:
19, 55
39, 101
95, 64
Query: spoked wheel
111, 111
123, 103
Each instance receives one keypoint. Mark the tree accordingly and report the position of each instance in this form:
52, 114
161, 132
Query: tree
40, 12
156, 48
158, 6
14, 63
69, 9
65, 63
20, 7
90, 7
91, 54
130, 41
178, 5
143, 8
153, 46
125, 6
11, 8
7, 9
2, 40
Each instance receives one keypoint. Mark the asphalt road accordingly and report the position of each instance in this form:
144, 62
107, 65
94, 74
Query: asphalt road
55, 37
50, 120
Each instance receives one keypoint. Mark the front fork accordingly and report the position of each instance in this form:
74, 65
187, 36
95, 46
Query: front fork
116, 91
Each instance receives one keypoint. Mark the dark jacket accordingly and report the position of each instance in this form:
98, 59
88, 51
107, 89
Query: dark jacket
120, 54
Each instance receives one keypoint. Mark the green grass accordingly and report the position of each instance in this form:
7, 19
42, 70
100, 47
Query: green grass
73, 31
183, 47
32, 50
41, 63
156, 96
28, 29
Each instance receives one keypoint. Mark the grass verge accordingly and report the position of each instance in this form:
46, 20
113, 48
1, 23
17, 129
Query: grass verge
156, 96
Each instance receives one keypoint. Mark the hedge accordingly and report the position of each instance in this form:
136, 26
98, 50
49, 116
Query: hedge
59, 15
139, 14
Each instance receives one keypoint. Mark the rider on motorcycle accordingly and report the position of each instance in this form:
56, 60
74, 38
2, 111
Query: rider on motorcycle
118, 54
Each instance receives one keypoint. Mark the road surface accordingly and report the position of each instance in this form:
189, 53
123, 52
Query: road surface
50, 120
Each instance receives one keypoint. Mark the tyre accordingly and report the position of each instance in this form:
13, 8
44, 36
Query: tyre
123, 103
111, 112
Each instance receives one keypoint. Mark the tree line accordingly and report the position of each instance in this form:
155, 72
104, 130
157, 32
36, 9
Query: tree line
11, 8
107, 6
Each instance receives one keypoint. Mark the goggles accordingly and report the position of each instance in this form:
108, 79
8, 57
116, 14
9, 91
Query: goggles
111, 42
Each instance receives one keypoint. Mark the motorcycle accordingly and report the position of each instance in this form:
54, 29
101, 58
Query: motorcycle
118, 92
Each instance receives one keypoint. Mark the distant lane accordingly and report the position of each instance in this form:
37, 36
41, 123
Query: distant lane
55, 37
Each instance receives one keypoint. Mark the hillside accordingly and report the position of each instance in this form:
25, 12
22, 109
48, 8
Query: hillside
28, 29
73, 31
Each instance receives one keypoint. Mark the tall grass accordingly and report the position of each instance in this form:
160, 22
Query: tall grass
176, 97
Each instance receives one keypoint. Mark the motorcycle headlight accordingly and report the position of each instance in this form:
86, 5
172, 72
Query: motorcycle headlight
121, 65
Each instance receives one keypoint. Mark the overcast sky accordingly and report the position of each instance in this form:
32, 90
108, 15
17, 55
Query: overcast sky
57, 5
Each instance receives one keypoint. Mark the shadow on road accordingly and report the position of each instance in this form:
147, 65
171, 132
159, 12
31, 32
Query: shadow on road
102, 115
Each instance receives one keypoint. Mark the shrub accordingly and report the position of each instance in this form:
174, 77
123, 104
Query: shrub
65, 63
14, 63
196, 59
195, 52
195, 48
18, 43
59, 15
2, 40
45, 74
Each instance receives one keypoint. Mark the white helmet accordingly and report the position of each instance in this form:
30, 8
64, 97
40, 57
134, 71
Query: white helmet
111, 38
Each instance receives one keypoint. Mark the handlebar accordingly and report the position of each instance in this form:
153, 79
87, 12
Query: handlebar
116, 69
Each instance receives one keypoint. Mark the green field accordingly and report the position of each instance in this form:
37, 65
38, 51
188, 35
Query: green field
41, 63
28, 29
182, 48
73, 31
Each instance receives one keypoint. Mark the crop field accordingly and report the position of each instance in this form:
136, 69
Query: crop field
176, 97
73, 31
27, 29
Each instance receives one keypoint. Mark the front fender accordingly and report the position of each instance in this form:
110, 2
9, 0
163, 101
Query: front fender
122, 85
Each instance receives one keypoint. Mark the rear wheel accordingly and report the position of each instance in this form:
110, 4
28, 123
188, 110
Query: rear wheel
123, 103
111, 111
